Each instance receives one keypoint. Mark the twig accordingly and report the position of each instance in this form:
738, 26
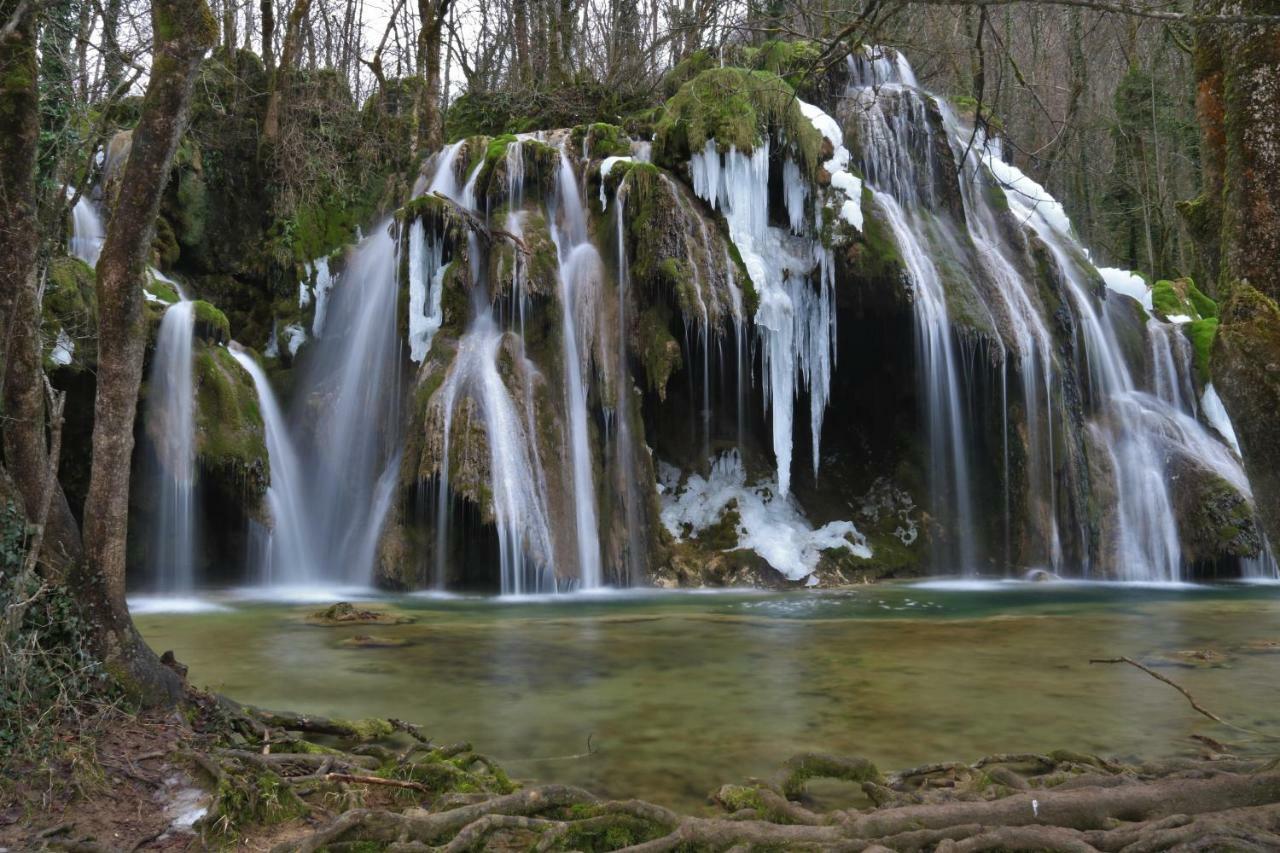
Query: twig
1187, 693
376, 780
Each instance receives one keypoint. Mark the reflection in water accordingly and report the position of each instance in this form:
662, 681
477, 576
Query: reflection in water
682, 692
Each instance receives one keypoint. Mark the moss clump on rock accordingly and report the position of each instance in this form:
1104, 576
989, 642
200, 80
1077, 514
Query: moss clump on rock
1202, 332
211, 324
230, 438
70, 312
659, 350
737, 108
346, 613
1181, 297
603, 140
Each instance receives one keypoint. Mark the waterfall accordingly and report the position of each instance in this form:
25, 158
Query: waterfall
289, 559
1140, 423
949, 483
87, 232
170, 422
349, 465
519, 508
580, 273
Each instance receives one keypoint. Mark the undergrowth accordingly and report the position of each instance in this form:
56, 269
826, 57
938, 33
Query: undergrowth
51, 687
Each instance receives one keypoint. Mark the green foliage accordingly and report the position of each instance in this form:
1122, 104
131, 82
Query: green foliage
1202, 332
47, 670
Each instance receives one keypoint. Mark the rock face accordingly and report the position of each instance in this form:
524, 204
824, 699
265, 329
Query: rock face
1246, 368
1236, 222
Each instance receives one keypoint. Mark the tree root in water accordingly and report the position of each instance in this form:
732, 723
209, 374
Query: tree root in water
381, 784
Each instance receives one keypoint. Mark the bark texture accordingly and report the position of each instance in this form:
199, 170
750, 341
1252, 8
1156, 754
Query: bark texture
184, 31
1237, 223
25, 448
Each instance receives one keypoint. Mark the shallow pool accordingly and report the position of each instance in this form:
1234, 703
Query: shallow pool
680, 692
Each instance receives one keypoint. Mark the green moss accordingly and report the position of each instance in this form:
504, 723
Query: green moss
1202, 334
607, 140
1181, 297
229, 432
736, 798
737, 108
1204, 306
688, 68
211, 324
723, 535
258, 799
875, 255
659, 351
70, 308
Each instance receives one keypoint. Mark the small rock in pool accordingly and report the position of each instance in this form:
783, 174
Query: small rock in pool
1041, 576
364, 641
345, 613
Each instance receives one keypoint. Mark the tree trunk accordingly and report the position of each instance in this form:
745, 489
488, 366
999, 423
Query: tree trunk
22, 376
280, 76
524, 70
431, 15
268, 36
1237, 224
112, 59
184, 31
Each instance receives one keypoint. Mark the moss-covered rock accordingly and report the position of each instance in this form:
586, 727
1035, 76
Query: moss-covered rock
1246, 373
70, 315
658, 349
230, 439
737, 108
1181, 297
1202, 332
1215, 521
211, 324
603, 140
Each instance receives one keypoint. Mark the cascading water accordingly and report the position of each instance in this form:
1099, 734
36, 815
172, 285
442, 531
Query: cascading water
519, 509
949, 483
87, 232
1138, 431
580, 273
349, 465
170, 423
289, 559
565, 498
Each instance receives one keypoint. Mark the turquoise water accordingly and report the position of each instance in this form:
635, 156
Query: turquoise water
680, 692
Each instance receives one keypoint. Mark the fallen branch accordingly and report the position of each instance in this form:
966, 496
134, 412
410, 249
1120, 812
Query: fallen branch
1187, 693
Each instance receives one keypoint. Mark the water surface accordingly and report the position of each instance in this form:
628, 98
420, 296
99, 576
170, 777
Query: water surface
683, 691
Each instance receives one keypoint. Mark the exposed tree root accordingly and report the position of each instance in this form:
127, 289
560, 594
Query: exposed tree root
379, 784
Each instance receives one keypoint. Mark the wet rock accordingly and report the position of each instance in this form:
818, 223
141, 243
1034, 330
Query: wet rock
365, 641
346, 613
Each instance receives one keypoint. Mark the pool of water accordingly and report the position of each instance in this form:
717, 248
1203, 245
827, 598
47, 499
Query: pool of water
680, 692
